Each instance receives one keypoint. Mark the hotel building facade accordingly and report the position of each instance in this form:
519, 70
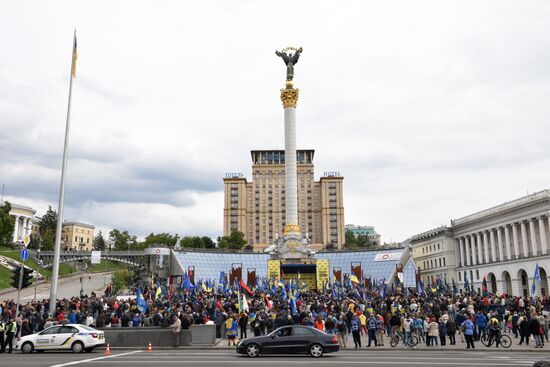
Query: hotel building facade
257, 207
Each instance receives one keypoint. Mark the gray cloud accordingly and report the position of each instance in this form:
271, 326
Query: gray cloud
431, 110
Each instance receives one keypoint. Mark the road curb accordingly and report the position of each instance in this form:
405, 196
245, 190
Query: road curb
359, 350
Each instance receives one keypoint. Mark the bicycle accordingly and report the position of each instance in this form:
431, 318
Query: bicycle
411, 342
503, 340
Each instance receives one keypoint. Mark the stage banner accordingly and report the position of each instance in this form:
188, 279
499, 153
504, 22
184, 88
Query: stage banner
322, 269
273, 270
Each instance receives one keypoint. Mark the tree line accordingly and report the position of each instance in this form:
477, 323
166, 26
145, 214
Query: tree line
118, 240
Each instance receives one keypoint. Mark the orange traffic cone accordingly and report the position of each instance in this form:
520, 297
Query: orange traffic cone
150, 348
108, 350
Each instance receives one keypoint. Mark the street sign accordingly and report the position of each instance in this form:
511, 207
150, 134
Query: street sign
24, 254
96, 257
26, 240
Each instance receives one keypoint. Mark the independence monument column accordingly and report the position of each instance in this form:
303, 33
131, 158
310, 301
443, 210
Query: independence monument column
289, 97
292, 245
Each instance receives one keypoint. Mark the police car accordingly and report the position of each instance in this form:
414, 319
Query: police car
75, 337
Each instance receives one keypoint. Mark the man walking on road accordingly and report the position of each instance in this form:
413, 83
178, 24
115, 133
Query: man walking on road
176, 328
10, 334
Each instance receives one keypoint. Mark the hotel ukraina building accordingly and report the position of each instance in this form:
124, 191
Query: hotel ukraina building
503, 244
257, 207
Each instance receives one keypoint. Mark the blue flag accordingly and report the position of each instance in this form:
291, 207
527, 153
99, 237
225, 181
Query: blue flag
284, 293
293, 305
141, 303
536, 278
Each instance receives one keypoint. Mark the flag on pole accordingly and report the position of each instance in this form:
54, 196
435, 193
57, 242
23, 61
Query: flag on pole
354, 279
141, 303
536, 278
75, 56
245, 303
158, 292
484, 286
268, 302
245, 287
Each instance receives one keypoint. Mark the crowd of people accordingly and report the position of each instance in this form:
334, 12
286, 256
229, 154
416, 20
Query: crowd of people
435, 319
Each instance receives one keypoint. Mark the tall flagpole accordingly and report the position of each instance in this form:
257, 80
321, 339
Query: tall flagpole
57, 249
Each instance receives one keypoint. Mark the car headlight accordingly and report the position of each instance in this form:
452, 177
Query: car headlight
240, 342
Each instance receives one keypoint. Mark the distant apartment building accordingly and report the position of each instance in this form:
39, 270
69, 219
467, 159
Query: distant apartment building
433, 252
257, 207
368, 231
77, 236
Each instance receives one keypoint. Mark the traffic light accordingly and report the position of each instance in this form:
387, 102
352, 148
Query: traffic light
15, 278
26, 277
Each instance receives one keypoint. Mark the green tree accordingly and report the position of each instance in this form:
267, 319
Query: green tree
47, 228
123, 241
99, 242
363, 241
121, 280
165, 239
234, 241
192, 242
208, 243
7, 223
351, 241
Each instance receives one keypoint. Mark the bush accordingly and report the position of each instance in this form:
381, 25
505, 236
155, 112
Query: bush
121, 279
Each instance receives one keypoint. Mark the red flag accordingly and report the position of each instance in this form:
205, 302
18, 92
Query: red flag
268, 302
244, 286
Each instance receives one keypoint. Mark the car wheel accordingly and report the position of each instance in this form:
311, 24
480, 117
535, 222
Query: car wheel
252, 350
27, 348
77, 347
88, 350
316, 351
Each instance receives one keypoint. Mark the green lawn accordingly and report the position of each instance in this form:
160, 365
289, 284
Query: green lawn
5, 277
106, 265
64, 269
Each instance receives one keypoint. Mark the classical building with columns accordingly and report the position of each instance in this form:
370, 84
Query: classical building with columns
23, 216
504, 243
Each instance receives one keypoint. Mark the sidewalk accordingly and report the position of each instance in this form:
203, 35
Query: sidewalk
459, 346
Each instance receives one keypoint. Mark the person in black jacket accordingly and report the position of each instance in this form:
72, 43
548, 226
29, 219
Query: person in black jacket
243, 323
524, 330
451, 330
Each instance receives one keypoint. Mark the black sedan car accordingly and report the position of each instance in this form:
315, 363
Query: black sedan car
288, 340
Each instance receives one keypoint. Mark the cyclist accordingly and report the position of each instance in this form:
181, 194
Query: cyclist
494, 330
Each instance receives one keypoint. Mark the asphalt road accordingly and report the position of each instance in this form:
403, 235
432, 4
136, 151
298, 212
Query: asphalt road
67, 287
216, 358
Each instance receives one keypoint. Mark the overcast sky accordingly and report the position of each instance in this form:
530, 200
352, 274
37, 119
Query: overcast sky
431, 110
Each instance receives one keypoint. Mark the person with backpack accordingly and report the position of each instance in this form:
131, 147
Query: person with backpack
341, 332
355, 331
371, 329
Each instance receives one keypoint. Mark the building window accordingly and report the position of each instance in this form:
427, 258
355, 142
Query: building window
439, 262
444, 262
459, 276
477, 274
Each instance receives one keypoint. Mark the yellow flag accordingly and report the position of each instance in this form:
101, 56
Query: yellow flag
159, 291
354, 279
75, 56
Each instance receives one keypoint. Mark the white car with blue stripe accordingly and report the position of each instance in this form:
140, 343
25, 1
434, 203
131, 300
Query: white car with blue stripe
75, 337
